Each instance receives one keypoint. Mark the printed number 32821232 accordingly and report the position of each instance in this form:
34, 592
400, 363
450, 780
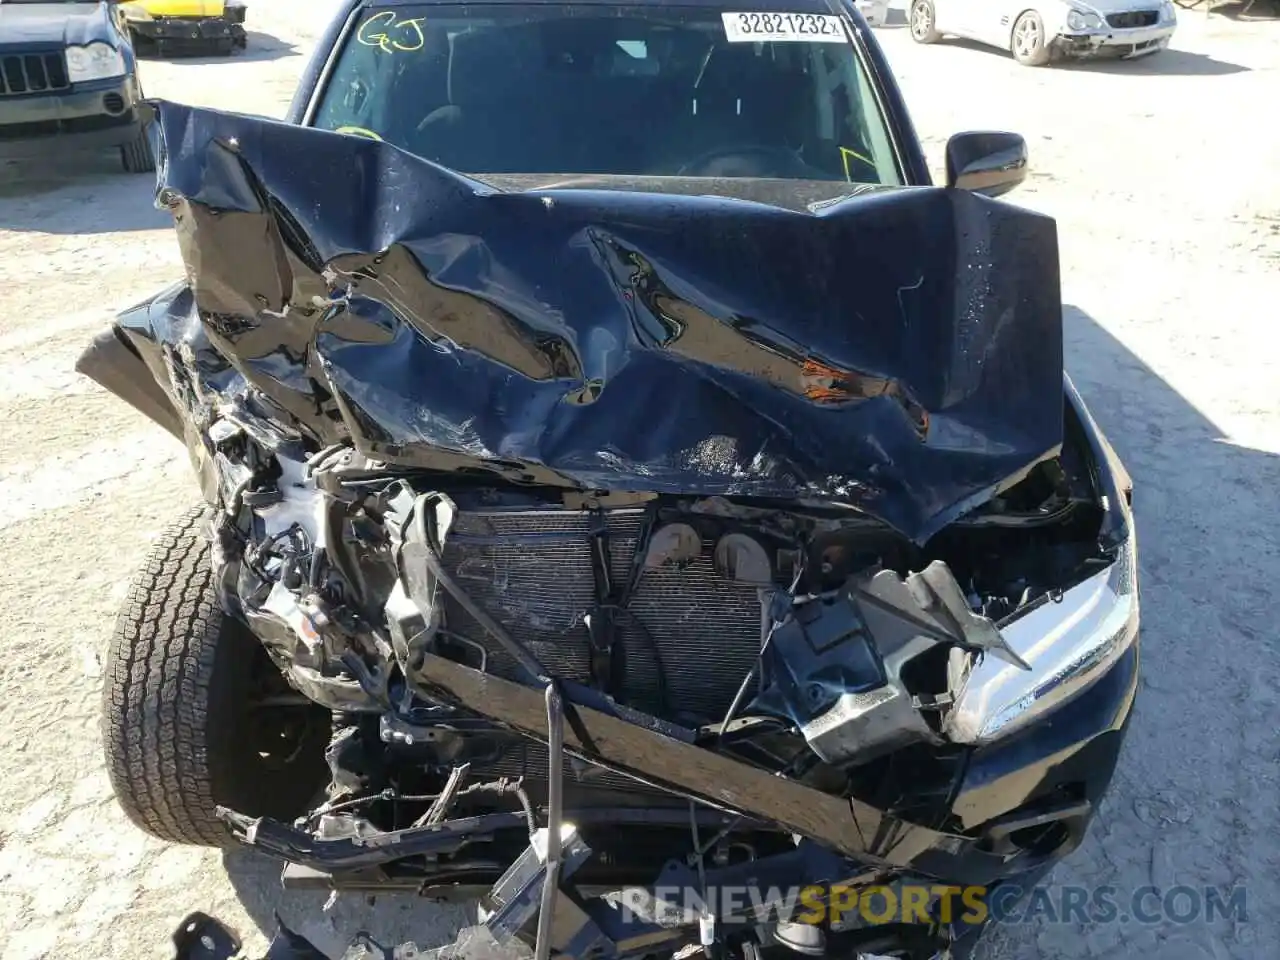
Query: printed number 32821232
799, 27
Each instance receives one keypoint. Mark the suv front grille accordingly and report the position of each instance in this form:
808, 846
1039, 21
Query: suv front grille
1134, 18
32, 73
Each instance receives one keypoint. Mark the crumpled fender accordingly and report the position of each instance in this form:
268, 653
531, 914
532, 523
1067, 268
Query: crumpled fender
112, 362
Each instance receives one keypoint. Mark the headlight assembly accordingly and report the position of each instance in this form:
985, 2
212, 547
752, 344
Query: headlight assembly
1069, 643
95, 61
1083, 20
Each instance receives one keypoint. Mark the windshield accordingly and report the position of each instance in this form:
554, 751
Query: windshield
613, 90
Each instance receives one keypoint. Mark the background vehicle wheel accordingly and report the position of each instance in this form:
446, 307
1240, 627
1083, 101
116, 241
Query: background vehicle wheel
194, 713
922, 22
136, 157
1029, 47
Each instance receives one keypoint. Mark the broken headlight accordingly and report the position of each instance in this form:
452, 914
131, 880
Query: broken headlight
1069, 641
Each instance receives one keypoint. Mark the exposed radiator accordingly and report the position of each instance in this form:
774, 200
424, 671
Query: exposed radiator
531, 571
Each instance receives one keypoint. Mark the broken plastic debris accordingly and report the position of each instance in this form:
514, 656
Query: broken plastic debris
934, 591
477, 943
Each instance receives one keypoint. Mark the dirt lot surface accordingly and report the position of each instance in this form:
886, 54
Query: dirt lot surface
1165, 178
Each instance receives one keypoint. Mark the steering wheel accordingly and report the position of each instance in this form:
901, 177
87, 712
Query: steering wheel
747, 160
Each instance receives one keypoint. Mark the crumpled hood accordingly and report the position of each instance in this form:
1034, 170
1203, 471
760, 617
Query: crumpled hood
898, 351
70, 23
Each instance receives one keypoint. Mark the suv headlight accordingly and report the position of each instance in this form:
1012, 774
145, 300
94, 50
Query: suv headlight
95, 61
1068, 643
1167, 13
1083, 20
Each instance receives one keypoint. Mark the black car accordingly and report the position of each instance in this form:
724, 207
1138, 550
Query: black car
69, 82
626, 472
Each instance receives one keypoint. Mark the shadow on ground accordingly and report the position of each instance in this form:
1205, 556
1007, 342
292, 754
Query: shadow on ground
1210, 562
1166, 63
81, 195
895, 19
1246, 12
1180, 810
260, 46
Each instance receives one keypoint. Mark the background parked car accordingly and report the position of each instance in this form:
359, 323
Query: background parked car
1051, 29
69, 82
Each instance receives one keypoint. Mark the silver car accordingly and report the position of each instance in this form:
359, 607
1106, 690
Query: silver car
1050, 29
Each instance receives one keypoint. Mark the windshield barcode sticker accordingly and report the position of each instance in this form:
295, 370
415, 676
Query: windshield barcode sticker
797, 27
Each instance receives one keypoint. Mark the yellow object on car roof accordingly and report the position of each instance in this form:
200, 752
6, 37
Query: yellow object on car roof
181, 8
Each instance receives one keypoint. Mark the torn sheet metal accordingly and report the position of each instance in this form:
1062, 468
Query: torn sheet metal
835, 668
600, 734
899, 351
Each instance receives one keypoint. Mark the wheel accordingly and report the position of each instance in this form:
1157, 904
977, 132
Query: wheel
194, 713
135, 156
1029, 46
922, 22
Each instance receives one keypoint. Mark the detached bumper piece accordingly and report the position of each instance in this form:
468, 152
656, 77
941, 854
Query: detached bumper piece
192, 34
1115, 44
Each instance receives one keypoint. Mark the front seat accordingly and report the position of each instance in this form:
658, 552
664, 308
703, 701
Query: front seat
744, 99
483, 127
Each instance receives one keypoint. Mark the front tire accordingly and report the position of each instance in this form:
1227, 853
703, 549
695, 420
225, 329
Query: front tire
1028, 45
179, 726
136, 156
922, 22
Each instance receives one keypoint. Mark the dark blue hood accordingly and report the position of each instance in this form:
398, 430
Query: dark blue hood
897, 351
28, 24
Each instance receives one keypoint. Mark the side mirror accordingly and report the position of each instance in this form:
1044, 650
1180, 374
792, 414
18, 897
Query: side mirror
986, 162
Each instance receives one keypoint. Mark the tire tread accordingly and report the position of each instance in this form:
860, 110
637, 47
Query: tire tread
135, 156
156, 698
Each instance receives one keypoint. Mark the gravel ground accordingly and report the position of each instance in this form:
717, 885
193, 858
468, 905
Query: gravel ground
1163, 177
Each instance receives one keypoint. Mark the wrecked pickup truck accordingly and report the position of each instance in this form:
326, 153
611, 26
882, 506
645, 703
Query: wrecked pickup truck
657, 541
